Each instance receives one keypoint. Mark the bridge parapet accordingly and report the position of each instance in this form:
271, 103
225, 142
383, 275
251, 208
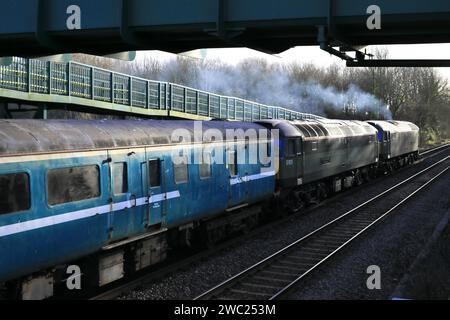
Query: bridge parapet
88, 86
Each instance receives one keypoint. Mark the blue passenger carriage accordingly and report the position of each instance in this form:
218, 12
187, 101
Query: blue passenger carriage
118, 191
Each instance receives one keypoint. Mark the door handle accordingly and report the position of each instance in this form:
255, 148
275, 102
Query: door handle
133, 201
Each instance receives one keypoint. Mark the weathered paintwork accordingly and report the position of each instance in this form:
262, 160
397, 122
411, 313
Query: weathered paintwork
323, 148
47, 235
396, 138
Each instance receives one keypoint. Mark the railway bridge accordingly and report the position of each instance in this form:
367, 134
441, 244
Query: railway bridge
91, 89
32, 28
43, 27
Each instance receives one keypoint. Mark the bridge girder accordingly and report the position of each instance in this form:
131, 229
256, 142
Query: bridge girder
44, 27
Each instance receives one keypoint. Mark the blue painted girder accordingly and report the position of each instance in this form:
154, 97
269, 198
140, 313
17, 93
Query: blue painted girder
30, 27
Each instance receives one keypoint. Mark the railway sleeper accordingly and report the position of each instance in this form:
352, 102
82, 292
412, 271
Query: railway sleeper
293, 264
246, 295
288, 268
257, 288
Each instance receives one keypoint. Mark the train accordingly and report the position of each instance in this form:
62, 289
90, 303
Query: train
110, 198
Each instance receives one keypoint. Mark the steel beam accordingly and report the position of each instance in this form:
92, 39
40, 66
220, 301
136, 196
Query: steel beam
40, 27
399, 63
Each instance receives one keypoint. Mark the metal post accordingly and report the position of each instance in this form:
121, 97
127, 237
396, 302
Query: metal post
69, 78
227, 109
92, 83
184, 100
28, 66
44, 112
147, 95
49, 77
160, 86
171, 97
111, 91
130, 91
209, 106
197, 104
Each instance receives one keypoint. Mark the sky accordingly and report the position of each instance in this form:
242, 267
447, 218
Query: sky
315, 55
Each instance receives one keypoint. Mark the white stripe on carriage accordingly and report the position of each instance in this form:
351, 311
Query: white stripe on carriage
258, 176
82, 214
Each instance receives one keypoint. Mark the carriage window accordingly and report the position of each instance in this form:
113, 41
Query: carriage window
232, 163
155, 173
314, 146
120, 178
181, 171
73, 184
14, 193
205, 166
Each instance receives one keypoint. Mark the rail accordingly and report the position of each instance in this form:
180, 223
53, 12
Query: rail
274, 276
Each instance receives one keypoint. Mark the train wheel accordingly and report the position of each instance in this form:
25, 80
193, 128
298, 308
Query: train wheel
185, 238
322, 191
358, 178
365, 174
374, 171
294, 202
389, 168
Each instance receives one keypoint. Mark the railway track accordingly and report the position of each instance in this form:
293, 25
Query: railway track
273, 277
178, 264
434, 150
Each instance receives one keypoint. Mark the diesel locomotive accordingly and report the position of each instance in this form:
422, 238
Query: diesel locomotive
111, 197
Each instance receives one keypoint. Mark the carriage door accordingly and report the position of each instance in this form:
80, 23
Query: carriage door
293, 166
299, 161
126, 216
153, 183
387, 143
237, 192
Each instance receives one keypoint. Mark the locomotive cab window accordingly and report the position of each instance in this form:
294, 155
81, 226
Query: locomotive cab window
155, 173
181, 171
14, 193
67, 185
291, 148
120, 177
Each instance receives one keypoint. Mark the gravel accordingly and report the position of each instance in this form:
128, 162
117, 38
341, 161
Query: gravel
393, 247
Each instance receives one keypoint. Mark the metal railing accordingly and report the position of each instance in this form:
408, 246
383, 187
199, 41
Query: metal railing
78, 80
